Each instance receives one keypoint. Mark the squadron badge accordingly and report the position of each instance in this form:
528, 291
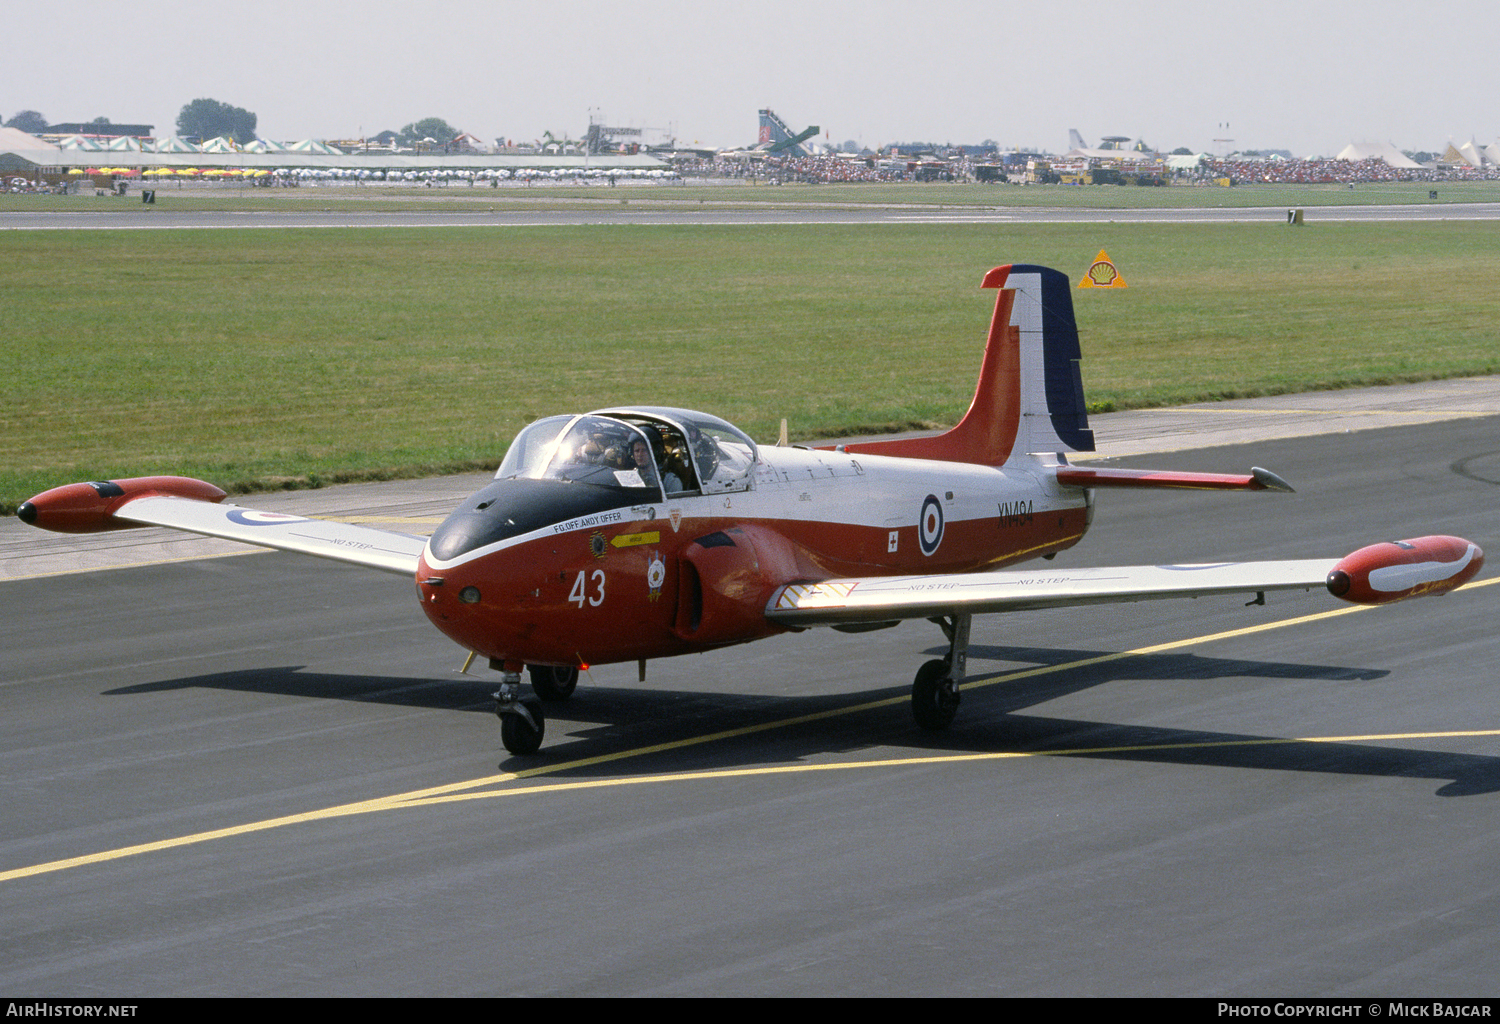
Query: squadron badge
656, 575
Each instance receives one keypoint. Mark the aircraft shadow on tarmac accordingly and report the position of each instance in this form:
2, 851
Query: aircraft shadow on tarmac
988, 721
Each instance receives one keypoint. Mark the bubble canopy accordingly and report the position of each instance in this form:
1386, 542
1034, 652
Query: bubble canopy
693, 451
565, 467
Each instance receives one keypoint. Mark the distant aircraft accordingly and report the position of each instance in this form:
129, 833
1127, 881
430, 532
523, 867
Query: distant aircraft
1111, 146
776, 137
628, 534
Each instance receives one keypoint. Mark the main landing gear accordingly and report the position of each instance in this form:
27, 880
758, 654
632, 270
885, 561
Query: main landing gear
522, 721
553, 683
934, 693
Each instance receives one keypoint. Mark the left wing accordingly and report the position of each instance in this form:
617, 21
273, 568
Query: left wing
890, 598
1377, 574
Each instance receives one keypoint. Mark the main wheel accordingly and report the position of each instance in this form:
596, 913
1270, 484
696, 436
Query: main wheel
934, 696
551, 682
520, 736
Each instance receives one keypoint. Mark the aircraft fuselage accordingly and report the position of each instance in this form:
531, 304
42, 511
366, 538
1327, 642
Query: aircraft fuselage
657, 578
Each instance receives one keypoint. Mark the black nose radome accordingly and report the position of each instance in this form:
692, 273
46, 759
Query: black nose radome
26, 513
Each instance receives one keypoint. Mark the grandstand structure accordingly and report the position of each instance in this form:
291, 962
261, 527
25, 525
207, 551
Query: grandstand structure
36, 158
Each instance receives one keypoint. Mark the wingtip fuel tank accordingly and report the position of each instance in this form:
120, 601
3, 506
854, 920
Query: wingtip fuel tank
90, 507
1399, 569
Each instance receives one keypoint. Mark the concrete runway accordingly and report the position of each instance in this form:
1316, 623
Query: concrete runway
261, 775
470, 213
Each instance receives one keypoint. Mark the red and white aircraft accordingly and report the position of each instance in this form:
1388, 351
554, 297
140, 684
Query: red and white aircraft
636, 533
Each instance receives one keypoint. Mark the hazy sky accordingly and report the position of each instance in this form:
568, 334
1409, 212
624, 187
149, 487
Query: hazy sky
1309, 76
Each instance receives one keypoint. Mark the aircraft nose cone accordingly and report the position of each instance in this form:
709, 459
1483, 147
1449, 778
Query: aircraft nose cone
27, 513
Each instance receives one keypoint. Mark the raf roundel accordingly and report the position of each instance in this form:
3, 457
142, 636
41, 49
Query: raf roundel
930, 525
254, 517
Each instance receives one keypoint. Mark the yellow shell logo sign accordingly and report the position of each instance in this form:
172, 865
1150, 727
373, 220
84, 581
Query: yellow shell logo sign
1102, 273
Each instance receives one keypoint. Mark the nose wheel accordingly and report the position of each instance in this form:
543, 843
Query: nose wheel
522, 721
523, 726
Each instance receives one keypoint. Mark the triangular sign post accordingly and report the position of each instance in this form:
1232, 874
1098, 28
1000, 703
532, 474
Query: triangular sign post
1102, 273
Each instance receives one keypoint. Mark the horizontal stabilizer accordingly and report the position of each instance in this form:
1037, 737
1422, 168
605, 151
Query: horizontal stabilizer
1258, 480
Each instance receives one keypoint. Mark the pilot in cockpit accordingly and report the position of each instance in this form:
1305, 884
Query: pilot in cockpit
602, 450
646, 465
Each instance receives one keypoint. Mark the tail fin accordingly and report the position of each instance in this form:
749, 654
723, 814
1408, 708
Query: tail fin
1054, 416
1030, 393
1075, 140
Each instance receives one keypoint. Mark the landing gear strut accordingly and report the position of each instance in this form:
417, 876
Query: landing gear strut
934, 693
522, 723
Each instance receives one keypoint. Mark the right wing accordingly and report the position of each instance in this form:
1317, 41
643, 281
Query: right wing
181, 503
341, 542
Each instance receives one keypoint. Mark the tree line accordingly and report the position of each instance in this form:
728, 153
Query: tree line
210, 119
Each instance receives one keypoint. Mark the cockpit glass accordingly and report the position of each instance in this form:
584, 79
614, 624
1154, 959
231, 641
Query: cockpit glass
696, 451
678, 450
722, 456
603, 452
532, 448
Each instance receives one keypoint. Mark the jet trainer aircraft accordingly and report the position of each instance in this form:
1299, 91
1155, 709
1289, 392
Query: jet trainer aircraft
628, 534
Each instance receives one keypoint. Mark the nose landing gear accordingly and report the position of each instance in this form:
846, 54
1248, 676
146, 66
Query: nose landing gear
522, 722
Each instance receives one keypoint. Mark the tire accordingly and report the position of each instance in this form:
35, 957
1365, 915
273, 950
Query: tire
553, 683
518, 735
934, 697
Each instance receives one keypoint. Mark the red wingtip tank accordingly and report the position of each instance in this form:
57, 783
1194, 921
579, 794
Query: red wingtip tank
90, 507
1395, 570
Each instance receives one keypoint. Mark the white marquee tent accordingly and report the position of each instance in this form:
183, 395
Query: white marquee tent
1392, 156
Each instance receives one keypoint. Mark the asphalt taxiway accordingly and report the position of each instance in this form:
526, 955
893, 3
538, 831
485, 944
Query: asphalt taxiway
262, 774
647, 210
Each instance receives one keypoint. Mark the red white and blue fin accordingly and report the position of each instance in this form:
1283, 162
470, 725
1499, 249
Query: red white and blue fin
1030, 394
1054, 416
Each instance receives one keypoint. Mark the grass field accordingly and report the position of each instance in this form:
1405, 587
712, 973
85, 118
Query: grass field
262, 358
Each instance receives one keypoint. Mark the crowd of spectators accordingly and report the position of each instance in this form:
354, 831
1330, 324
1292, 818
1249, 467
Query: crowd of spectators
1326, 170
1247, 171
825, 169
785, 169
821, 169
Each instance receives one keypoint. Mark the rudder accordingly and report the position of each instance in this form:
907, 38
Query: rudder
1054, 415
